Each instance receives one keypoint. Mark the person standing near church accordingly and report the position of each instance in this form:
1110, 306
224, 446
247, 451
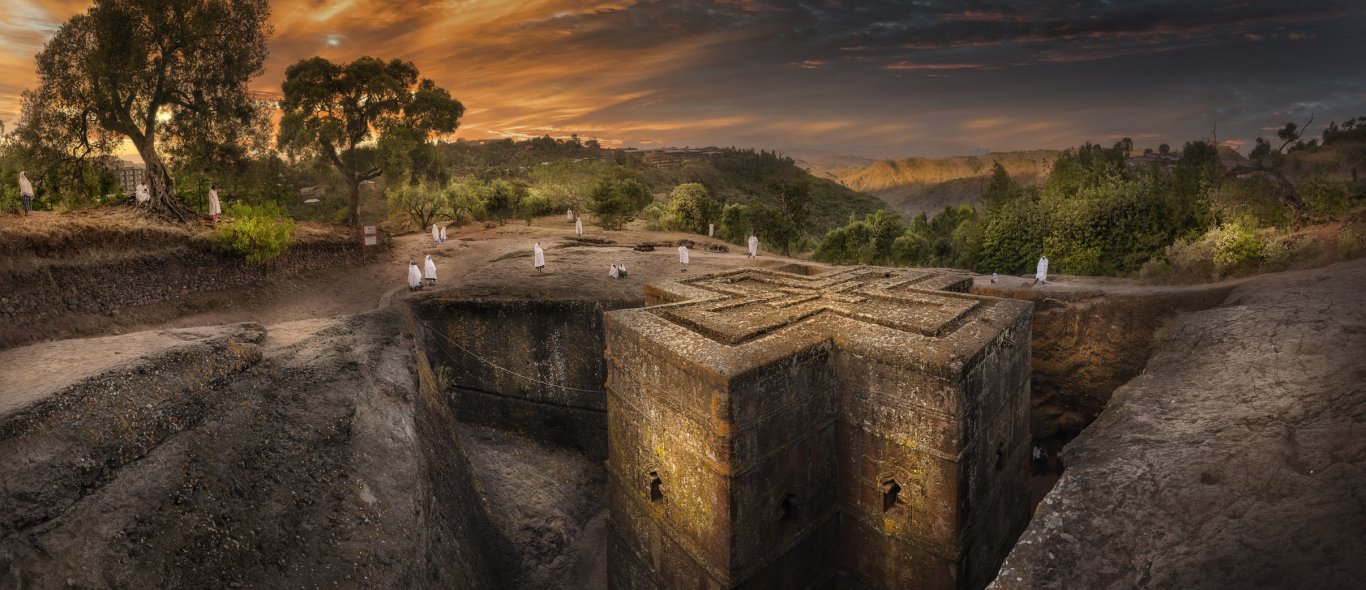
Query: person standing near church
414, 276
429, 270
215, 208
1041, 271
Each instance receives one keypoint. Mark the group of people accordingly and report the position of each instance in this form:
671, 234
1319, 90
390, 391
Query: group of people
1040, 273
417, 278
141, 196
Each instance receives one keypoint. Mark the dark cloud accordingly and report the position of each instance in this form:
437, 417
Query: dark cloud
927, 77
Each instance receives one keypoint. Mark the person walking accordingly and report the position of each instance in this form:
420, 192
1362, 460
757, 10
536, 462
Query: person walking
25, 192
683, 257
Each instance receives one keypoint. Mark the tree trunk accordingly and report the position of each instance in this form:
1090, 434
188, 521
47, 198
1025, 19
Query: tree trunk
160, 185
353, 210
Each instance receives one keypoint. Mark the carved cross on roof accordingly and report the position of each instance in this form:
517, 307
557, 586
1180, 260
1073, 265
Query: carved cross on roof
739, 306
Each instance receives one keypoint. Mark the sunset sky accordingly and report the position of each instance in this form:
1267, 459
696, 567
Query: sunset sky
859, 77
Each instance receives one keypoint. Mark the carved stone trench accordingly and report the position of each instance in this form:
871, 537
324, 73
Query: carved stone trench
863, 427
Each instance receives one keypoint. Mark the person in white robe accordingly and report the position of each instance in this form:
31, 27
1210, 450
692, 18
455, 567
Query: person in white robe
753, 246
621, 271
436, 234
683, 257
429, 270
612, 272
578, 228
414, 276
443, 234
569, 213
538, 256
142, 194
711, 230
994, 277
1041, 271
215, 208
25, 192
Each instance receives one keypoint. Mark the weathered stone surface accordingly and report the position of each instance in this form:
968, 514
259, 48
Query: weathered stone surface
783, 429
1090, 339
1236, 460
530, 366
229, 460
39, 291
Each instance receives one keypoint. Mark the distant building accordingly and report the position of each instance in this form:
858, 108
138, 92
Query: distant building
1168, 159
673, 157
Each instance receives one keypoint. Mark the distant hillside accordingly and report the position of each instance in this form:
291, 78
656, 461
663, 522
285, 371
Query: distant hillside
825, 166
916, 185
742, 176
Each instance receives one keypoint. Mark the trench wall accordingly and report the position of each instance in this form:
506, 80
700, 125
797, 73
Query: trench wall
479, 555
37, 290
534, 367
1088, 343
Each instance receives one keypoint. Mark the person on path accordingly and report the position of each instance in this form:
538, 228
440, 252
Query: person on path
683, 257
215, 208
711, 230
25, 192
429, 270
142, 194
443, 234
578, 228
414, 276
994, 277
569, 213
538, 257
753, 246
1041, 271
436, 234
612, 272
621, 271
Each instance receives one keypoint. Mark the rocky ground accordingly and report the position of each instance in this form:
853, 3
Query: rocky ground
271, 435
1236, 460
223, 458
548, 502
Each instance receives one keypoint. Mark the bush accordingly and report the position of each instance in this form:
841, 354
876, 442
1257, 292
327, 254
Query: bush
420, 203
260, 233
1351, 242
1324, 194
617, 199
1236, 245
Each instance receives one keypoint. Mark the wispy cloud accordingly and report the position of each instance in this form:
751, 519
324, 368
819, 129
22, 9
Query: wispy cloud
869, 76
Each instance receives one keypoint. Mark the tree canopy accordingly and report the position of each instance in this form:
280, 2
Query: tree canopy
171, 70
332, 110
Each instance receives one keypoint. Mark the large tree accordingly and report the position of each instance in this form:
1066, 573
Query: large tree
153, 70
333, 110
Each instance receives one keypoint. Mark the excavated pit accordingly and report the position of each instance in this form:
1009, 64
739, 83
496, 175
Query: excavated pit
457, 442
523, 379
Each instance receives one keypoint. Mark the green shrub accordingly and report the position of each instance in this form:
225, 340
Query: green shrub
1236, 245
1350, 243
260, 233
1324, 194
617, 199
